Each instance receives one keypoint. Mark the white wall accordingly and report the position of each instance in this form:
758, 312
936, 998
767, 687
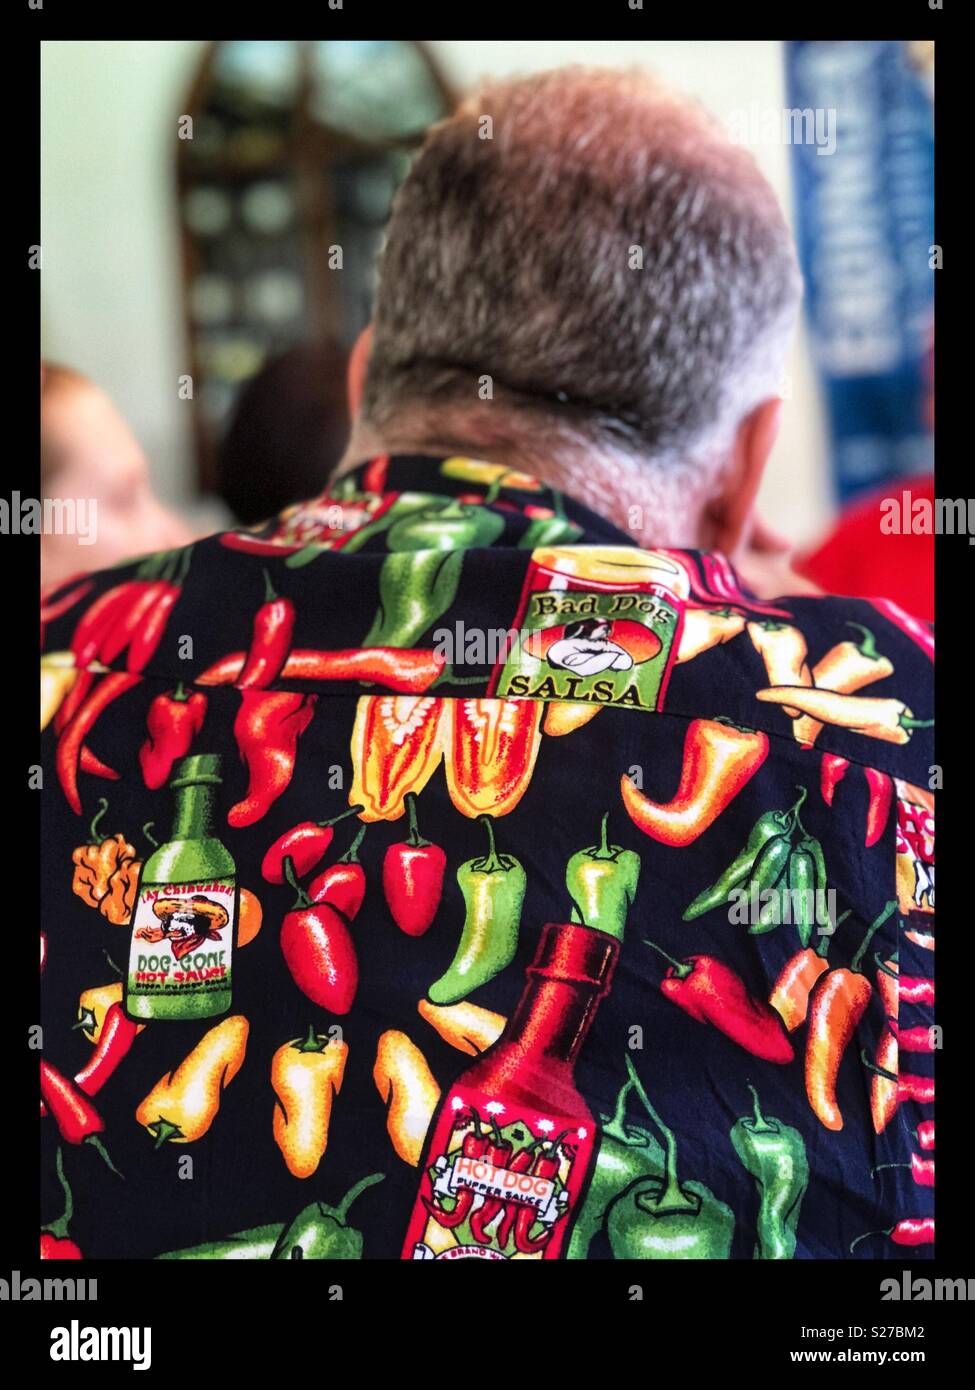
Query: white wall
111, 288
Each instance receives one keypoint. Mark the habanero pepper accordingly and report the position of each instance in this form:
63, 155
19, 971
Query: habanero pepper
342, 884
775, 1155
304, 844
413, 871
664, 1219
274, 625
267, 729
838, 1004
709, 991
319, 951
172, 722
602, 882
493, 888
719, 759
56, 1244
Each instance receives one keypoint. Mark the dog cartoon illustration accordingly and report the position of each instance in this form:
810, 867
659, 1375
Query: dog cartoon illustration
186, 923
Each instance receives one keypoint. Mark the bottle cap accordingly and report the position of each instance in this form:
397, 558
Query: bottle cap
199, 767
576, 954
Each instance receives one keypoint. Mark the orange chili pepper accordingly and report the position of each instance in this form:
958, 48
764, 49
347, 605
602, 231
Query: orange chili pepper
884, 1090
838, 1004
396, 746
491, 747
790, 997
719, 758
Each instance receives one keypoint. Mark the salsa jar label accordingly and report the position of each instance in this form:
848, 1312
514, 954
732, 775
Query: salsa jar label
595, 624
181, 946
501, 1181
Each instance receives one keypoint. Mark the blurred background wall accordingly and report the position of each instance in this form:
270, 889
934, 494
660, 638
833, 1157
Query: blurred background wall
113, 303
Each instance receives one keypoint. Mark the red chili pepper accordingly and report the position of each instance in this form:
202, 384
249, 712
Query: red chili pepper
117, 1036
374, 475
914, 989
832, 770
342, 884
925, 1134
77, 1119
271, 640
55, 1242
304, 845
100, 619
172, 722
881, 798
413, 871
319, 951
267, 729
499, 1156
916, 1088
90, 764
546, 1166
54, 609
407, 672
709, 991
68, 754
915, 1039
142, 647
913, 1230
474, 1145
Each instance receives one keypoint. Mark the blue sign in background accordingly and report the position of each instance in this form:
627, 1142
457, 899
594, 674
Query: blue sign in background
865, 225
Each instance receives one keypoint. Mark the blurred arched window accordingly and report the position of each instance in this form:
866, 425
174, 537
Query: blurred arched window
285, 174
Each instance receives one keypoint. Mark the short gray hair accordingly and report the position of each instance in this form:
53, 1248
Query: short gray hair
512, 257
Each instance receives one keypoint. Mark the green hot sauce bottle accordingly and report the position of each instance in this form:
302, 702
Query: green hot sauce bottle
185, 919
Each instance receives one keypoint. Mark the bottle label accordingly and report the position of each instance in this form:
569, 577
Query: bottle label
501, 1182
578, 640
182, 939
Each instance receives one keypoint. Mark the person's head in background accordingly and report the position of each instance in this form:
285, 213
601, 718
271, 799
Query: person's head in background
583, 276
89, 452
289, 427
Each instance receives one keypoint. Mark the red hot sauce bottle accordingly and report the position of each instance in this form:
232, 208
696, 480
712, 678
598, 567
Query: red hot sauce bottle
513, 1142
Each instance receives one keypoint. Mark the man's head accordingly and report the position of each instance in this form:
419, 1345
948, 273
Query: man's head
582, 268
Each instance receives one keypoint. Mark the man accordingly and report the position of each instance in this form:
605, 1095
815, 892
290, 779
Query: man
568, 880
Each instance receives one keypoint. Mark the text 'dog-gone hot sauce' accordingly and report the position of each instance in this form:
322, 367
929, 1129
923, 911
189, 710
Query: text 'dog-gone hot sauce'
185, 918
513, 1143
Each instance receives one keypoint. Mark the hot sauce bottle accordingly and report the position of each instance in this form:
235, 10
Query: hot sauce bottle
513, 1143
185, 918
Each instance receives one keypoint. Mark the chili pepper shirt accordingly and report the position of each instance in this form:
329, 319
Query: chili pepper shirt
499, 684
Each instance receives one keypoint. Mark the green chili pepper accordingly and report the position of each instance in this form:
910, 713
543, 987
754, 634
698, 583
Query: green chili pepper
549, 530
494, 890
320, 1232
626, 1153
771, 824
802, 889
814, 848
775, 1155
663, 1219
415, 589
602, 883
457, 526
769, 868
255, 1244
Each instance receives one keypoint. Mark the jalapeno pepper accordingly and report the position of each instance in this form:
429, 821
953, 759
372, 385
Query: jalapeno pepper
494, 890
602, 883
775, 1155
321, 1232
766, 828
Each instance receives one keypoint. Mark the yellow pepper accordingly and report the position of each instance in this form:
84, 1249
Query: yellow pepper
58, 675
409, 1091
306, 1076
396, 747
183, 1104
465, 1026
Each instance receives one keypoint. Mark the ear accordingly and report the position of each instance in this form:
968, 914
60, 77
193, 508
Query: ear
358, 362
727, 518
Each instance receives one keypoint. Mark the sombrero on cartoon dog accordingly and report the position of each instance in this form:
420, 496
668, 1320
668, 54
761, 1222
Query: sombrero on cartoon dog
206, 917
